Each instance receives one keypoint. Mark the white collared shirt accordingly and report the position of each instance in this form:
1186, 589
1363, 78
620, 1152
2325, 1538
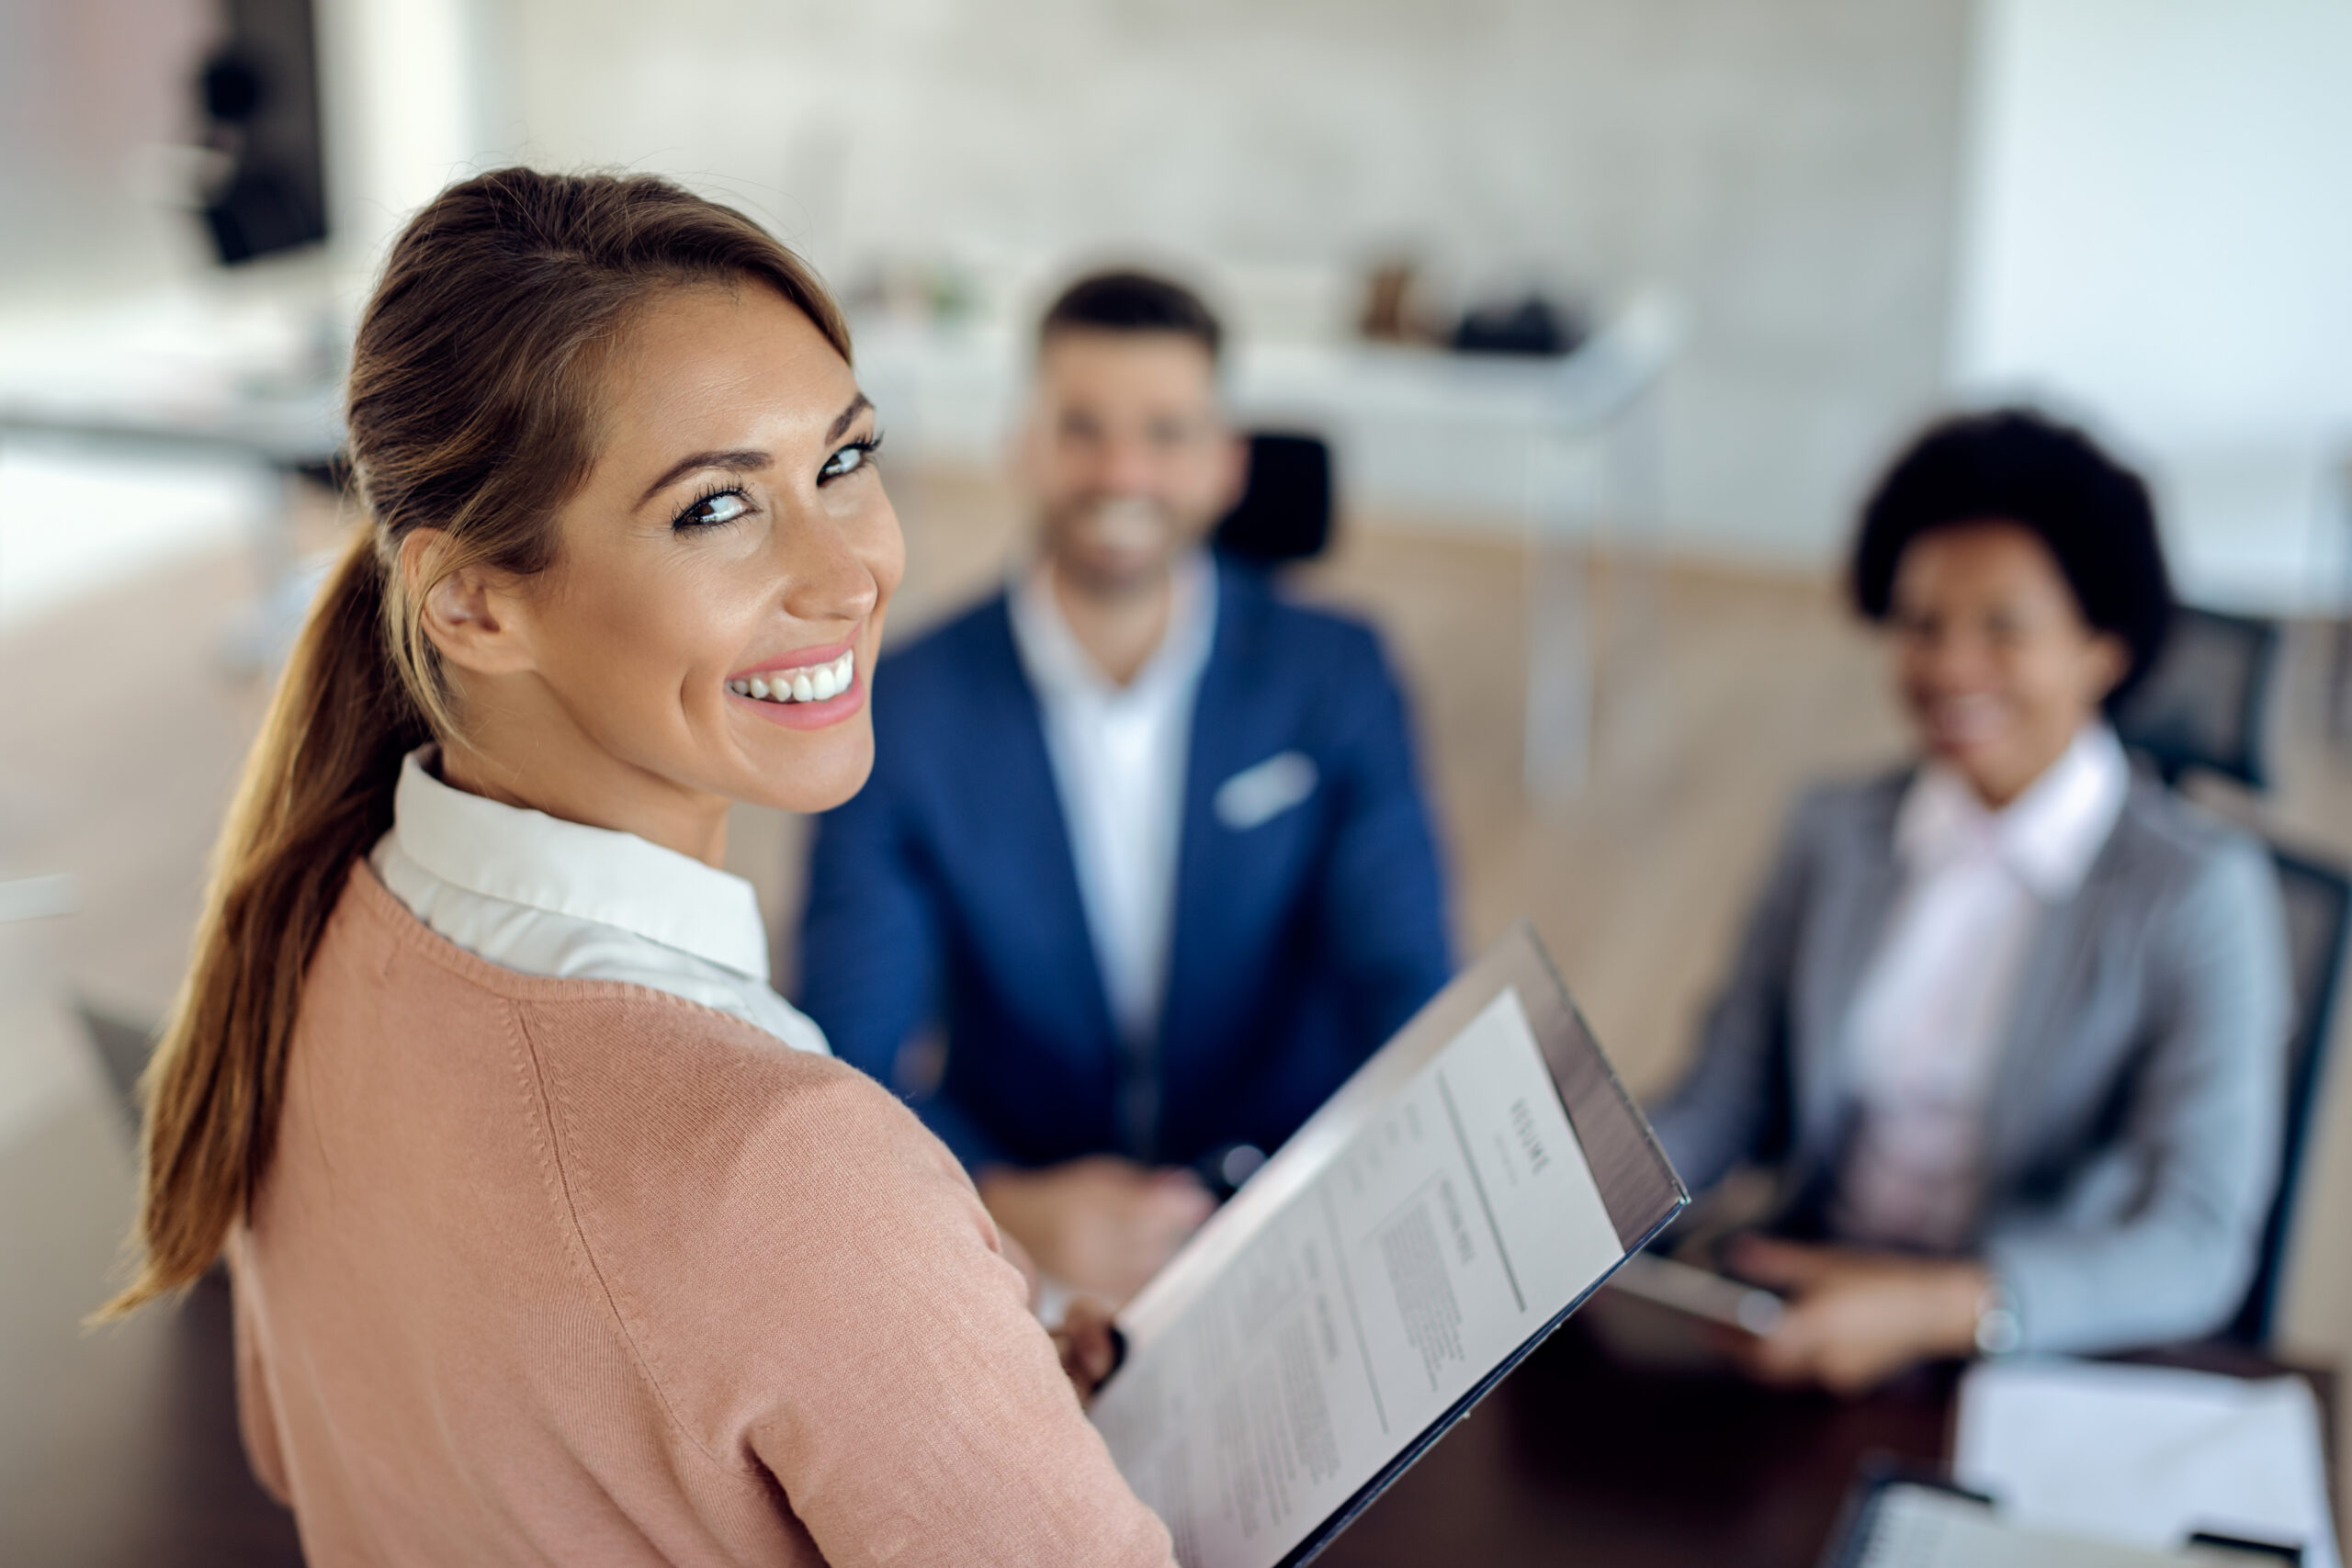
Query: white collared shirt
541, 895
1118, 755
1934, 1008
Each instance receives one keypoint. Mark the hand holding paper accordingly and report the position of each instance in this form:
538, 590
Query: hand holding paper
1440, 1214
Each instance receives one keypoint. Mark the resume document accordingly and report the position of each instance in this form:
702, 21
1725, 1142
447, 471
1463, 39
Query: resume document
1429, 1226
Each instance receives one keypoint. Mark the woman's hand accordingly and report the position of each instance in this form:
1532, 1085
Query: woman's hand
1101, 1224
1855, 1318
1089, 1344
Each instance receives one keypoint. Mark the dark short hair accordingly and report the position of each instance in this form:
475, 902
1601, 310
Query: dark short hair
2017, 466
1130, 301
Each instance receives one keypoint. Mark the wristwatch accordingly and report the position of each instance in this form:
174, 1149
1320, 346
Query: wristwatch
1997, 1330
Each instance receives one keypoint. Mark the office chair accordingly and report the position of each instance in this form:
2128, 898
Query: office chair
2318, 900
1285, 513
2206, 704
123, 1048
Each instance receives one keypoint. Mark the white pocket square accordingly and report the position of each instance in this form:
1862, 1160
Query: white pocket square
1264, 791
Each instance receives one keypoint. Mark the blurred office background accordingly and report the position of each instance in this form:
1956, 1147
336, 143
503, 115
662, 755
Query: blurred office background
1801, 227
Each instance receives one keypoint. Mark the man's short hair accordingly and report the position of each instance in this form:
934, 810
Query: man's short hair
1129, 301
2018, 465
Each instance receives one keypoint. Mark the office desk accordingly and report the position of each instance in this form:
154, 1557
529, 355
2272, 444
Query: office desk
1575, 1460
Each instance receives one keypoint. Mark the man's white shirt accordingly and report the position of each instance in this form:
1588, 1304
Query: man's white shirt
1118, 755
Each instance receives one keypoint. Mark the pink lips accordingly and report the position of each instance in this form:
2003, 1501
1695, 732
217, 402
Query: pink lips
800, 658
807, 716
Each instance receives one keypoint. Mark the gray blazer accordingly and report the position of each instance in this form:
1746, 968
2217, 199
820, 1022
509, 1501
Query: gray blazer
2133, 1132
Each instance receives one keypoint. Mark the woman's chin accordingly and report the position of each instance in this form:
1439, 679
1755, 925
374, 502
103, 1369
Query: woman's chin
817, 771
1992, 765
1974, 752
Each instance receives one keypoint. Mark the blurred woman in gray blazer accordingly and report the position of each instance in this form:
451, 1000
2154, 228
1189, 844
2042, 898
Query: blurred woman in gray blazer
2007, 1023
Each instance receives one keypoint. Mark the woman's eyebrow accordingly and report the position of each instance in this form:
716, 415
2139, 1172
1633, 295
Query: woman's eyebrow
744, 460
739, 461
841, 422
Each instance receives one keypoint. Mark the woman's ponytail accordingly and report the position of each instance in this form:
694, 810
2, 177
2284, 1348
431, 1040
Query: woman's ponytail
316, 794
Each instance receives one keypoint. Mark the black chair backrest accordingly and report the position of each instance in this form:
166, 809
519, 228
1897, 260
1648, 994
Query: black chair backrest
1284, 515
2318, 900
2205, 704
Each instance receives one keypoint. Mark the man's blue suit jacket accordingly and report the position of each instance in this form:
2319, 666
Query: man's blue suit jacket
945, 892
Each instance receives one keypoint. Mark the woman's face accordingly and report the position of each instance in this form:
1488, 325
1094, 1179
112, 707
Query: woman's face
708, 629
1992, 656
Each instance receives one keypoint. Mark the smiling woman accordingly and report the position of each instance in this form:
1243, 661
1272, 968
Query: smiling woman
2009, 1020
556, 1235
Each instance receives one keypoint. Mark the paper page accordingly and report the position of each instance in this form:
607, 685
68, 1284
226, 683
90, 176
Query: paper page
1919, 1526
1416, 1255
2146, 1455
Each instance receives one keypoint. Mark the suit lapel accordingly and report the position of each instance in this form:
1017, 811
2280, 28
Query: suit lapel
1837, 954
1228, 733
1029, 832
2034, 1041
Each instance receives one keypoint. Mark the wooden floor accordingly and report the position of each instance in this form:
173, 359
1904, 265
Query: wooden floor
119, 741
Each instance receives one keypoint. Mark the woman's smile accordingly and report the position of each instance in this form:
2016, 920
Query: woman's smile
805, 689
1959, 722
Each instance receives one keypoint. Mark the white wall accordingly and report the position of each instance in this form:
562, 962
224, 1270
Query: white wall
2158, 233
1788, 168
405, 87
91, 93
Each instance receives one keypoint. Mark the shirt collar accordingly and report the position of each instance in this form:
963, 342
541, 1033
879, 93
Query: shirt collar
2048, 835
1059, 665
568, 868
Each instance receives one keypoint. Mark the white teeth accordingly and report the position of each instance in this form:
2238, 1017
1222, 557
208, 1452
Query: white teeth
816, 683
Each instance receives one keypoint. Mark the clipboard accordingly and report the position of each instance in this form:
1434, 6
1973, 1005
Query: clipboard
1454, 1079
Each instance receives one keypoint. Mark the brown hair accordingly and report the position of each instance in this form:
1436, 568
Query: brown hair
473, 411
1131, 301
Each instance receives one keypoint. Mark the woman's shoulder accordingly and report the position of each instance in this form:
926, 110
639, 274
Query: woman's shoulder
666, 1096
2172, 845
734, 1195
1848, 812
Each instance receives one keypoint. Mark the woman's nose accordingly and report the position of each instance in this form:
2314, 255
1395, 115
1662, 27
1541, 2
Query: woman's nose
1956, 660
828, 577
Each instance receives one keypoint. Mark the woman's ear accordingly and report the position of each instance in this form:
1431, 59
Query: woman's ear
2108, 661
474, 617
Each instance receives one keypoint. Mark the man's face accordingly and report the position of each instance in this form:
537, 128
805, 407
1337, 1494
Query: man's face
1128, 453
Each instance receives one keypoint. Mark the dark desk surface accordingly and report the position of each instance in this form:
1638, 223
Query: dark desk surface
1575, 1458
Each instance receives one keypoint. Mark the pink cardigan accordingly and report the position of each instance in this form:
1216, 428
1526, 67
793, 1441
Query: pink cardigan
552, 1272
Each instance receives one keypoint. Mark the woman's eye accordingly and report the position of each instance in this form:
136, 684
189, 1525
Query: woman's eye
714, 510
849, 460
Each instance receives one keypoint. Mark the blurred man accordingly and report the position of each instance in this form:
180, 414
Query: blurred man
1145, 839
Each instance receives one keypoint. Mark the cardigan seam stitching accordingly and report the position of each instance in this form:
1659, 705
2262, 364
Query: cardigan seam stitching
563, 1182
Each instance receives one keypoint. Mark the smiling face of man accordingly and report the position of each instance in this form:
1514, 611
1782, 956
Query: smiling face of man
1127, 454
706, 632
